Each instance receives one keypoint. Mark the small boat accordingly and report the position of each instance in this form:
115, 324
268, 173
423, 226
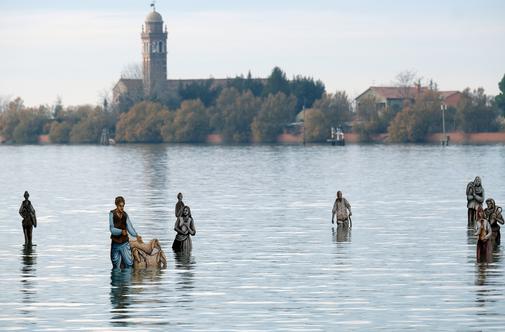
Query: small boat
337, 137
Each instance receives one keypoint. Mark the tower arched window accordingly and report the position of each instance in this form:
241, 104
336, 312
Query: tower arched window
160, 46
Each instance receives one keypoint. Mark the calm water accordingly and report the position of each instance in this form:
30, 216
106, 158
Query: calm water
265, 256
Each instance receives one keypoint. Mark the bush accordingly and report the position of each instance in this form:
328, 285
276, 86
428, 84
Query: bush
142, 123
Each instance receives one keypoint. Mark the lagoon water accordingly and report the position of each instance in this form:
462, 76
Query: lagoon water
265, 256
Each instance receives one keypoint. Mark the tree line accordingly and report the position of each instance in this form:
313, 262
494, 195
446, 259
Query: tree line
415, 120
244, 110
248, 110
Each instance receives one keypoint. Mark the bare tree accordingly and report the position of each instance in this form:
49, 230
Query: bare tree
105, 97
406, 80
132, 71
4, 103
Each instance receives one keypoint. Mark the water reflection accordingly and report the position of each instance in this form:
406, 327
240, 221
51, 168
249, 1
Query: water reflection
125, 285
342, 233
471, 238
480, 274
155, 159
120, 299
184, 265
28, 274
488, 282
417, 273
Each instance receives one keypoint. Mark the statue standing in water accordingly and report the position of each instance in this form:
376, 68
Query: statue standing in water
179, 205
120, 225
340, 208
475, 198
495, 218
484, 233
185, 228
29, 219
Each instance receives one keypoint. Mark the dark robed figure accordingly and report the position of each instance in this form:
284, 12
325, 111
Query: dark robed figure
29, 218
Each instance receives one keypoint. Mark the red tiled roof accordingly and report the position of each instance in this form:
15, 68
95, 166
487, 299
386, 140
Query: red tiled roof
392, 92
446, 94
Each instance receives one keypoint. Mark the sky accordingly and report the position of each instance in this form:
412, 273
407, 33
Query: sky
76, 50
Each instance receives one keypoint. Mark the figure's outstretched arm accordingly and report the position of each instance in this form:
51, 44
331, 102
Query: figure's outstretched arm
129, 227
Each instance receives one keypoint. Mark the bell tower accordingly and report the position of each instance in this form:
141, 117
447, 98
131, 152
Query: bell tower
154, 54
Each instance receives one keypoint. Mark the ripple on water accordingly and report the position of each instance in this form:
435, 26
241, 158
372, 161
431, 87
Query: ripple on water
265, 255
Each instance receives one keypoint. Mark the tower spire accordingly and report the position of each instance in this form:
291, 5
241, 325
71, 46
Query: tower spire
154, 53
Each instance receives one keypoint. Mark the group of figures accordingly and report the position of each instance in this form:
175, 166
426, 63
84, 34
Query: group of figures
126, 252
486, 222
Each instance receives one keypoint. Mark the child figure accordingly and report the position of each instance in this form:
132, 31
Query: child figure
483, 231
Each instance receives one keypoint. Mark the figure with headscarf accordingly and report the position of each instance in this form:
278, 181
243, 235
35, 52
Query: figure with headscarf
185, 228
341, 210
495, 218
483, 232
179, 205
475, 198
29, 218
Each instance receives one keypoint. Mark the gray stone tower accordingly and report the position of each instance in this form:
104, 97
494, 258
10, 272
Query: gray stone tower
154, 54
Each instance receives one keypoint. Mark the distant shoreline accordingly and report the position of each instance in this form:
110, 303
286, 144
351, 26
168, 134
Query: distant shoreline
455, 138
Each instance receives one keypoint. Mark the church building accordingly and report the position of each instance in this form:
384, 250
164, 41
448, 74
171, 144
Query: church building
154, 82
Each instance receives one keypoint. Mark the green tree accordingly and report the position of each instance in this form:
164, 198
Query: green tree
190, 124
142, 123
306, 91
500, 99
332, 110
335, 107
9, 118
275, 113
23, 125
415, 122
316, 127
367, 115
31, 124
247, 84
60, 132
238, 111
57, 109
89, 125
276, 82
203, 90
476, 113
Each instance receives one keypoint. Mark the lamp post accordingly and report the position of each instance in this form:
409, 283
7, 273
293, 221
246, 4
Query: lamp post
445, 141
303, 110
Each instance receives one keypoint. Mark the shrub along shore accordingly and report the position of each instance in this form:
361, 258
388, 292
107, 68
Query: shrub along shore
249, 111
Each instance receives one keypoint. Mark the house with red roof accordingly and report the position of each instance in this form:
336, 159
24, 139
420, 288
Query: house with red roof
393, 98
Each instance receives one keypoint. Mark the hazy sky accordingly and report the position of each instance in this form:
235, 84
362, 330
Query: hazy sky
77, 49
